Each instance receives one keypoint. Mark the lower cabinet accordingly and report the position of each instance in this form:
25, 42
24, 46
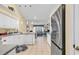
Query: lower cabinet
9, 40
13, 52
29, 39
19, 39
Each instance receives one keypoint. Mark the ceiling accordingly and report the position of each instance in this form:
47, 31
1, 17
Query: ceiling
37, 13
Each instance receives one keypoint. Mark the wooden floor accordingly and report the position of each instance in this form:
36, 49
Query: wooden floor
41, 47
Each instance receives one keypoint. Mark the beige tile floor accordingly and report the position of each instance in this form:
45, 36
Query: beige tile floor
41, 47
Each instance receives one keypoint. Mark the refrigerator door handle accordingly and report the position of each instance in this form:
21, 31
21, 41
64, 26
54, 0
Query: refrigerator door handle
75, 47
56, 45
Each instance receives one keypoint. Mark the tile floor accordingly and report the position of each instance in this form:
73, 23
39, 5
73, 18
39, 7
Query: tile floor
41, 47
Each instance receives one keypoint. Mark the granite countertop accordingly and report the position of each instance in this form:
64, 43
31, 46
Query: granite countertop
21, 33
5, 49
17, 34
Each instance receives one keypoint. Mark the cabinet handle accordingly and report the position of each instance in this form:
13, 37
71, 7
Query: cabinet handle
76, 47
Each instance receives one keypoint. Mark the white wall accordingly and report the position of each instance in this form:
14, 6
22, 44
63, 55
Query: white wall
69, 29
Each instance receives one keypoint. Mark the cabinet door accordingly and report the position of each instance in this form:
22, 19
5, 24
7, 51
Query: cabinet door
28, 39
2, 21
13, 23
9, 40
8, 22
24, 39
20, 39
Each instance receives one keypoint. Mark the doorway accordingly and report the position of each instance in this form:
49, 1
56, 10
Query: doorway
39, 30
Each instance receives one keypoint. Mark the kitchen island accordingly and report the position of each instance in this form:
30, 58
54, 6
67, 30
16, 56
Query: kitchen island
19, 38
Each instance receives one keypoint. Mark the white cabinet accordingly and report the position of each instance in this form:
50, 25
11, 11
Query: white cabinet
19, 39
8, 22
49, 38
29, 39
9, 40
15, 39
11, 23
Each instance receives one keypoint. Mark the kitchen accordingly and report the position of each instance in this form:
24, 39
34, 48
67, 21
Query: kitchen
25, 29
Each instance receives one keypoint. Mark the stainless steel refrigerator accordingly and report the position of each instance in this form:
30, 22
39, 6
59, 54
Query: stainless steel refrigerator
58, 31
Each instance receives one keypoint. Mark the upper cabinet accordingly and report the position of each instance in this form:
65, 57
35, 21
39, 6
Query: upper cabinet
12, 8
8, 22
12, 11
7, 11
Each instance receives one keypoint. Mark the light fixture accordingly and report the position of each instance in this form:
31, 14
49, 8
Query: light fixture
19, 5
30, 6
25, 5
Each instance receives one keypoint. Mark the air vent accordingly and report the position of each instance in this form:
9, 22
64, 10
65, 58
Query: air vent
11, 8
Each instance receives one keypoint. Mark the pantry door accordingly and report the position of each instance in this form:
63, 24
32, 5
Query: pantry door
76, 29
